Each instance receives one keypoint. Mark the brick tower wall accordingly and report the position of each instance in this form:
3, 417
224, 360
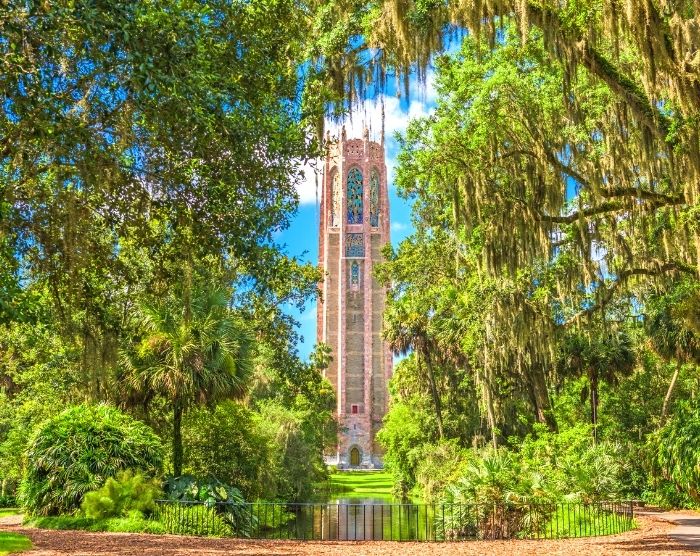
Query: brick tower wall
351, 312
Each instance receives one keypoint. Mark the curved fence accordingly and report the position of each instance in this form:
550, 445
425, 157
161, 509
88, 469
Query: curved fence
395, 522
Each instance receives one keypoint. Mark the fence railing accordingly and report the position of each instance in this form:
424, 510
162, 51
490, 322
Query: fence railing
396, 522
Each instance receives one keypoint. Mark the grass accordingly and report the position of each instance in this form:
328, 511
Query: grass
12, 543
5, 512
362, 484
570, 521
111, 524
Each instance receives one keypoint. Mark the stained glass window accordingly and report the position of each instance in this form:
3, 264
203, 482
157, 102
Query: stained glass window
335, 201
354, 245
355, 275
374, 199
354, 196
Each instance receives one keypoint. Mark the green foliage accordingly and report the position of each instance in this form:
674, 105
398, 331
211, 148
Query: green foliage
678, 458
195, 519
402, 436
440, 465
38, 376
13, 543
122, 496
191, 349
575, 467
135, 523
297, 450
227, 443
78, 450
143, 183
203, 507
499, 477
210, 491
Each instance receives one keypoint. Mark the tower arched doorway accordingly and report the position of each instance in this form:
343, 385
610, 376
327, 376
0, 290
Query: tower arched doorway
355, 457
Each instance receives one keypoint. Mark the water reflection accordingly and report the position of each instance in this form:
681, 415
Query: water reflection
359, 519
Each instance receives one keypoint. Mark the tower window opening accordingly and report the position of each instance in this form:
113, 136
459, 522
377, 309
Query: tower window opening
354, 196
354, 409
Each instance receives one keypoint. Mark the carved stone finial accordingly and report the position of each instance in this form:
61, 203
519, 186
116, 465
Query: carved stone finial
343, 133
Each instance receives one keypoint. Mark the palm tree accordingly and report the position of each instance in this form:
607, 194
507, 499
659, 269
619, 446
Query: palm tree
673, 331
600, 356
406, 330
194, 351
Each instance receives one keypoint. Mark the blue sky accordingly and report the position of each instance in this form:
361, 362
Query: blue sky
301, 238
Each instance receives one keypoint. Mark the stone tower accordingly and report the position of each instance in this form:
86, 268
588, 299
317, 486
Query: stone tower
354, 226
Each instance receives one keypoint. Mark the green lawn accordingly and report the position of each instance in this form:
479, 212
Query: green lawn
11, 543
362, 484
4, 512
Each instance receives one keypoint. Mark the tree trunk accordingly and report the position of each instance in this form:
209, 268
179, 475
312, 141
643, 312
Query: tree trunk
669, 393
540, 397
594, 405
434, 393
177, 439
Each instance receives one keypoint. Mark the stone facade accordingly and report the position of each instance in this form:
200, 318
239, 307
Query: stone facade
354, 225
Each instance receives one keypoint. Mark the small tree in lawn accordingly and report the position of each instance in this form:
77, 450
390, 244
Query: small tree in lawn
193, 350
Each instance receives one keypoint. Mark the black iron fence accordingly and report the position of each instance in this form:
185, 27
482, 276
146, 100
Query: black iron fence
396, 522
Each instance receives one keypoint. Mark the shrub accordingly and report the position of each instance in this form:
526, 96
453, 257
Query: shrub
576, 468
194, 501
78, 450
440, 465
130, 524
492, 497
225, 443
211, 491
193, 519
678, 457
297, 451
122, 496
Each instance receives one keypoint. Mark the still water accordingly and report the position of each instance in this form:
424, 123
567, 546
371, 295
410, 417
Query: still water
357, 519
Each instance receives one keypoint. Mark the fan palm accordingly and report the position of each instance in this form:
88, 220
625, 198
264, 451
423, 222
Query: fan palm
600, 356
192, 353
406, 330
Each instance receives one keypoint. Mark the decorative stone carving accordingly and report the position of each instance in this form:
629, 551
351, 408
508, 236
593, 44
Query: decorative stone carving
354, 245
336, 201
374, 199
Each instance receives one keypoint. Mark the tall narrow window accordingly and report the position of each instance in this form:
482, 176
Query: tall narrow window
336, 205
354, 196
355, 275
374, 199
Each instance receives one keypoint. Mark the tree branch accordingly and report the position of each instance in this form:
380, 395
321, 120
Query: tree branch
622, 277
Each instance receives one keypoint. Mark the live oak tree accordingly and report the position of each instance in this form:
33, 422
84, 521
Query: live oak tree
135, 136
600, 98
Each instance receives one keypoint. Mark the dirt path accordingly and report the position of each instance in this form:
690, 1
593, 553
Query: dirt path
652, 538
687, 527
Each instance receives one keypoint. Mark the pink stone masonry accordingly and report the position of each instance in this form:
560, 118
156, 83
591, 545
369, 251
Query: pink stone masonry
350, 313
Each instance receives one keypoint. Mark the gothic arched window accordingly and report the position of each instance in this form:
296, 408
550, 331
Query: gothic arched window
335, 200
354, 196
374, 199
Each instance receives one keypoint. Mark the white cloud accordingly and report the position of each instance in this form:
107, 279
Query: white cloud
369, 115
307, 187
398, 226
